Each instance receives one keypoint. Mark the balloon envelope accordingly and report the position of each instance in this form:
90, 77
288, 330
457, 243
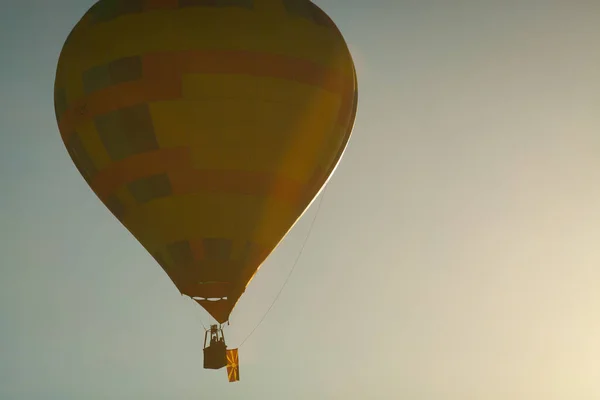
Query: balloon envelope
206, 127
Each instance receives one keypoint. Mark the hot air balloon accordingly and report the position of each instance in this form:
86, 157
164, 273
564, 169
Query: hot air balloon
206, 127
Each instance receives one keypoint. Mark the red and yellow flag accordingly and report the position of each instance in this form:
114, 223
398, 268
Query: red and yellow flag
233, 368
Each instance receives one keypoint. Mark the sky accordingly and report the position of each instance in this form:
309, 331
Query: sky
455, 254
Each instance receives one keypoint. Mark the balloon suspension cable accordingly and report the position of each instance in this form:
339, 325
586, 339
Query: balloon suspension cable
312, 223
203, 326
200, 318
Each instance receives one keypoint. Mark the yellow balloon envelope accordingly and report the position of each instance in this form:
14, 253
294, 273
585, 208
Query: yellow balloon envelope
206, 127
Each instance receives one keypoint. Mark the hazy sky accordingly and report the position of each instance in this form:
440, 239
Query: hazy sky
456, 255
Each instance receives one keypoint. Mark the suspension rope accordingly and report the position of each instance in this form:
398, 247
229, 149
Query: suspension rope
312, 223
200, 317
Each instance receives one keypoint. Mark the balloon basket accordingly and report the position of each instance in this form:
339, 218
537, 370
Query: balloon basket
215, 349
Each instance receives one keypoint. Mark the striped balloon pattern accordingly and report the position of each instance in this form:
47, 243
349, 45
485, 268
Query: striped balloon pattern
206, 127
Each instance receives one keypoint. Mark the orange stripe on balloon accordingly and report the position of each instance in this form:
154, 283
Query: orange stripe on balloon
197, 247
163, 74
176, 163
259, 64
109, 180
119, 96
184, 181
